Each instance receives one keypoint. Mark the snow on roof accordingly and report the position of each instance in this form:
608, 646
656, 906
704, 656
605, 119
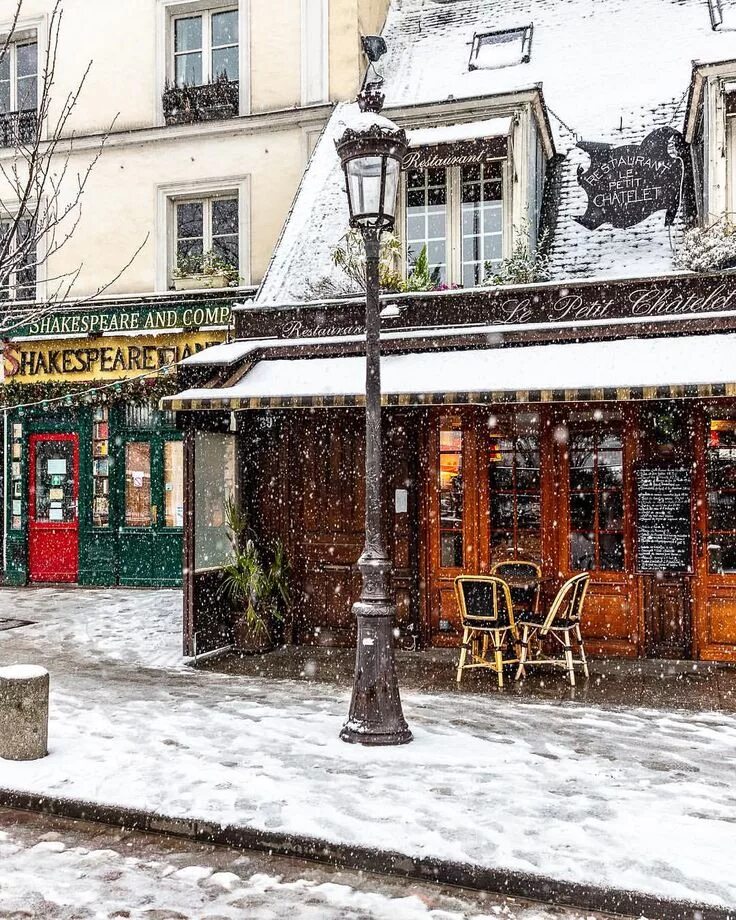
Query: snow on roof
683, 361
467, 131
610, 70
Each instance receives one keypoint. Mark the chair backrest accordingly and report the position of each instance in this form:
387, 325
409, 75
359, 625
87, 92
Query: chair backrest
484, 600
568, 605
519, 570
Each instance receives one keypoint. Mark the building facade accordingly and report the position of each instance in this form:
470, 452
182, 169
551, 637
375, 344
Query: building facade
191, 131
558, 369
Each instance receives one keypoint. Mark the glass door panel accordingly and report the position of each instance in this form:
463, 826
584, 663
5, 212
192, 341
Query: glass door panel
514, 479
55, 498
451, 494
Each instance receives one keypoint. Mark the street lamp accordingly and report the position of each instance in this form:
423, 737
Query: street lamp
371, 153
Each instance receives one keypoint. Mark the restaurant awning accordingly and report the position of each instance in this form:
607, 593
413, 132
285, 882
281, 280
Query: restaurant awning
646, 368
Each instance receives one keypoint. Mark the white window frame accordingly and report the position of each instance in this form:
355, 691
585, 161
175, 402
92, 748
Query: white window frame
454, 219
167, 196
315, 41
206, 49
169, 10
12, 52
8, 216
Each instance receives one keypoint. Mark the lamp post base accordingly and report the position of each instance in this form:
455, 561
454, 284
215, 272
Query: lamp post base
375, 716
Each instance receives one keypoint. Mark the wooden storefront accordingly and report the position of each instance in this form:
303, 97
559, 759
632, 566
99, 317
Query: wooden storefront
575, 477
469, 486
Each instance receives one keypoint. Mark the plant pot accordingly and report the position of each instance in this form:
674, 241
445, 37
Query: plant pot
248, 642
200, 282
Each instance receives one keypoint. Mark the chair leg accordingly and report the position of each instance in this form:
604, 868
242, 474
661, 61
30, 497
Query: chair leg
579, 637
498, 654
463, 653
568, 657
522, 657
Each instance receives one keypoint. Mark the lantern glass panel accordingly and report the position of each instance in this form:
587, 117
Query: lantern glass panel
364, 186
391, 190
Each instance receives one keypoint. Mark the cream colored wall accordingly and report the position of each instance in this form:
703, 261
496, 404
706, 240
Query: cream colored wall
125, 48
121, 202
120, 40
372, 16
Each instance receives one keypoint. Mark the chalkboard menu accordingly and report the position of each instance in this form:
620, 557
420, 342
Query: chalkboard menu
664, 542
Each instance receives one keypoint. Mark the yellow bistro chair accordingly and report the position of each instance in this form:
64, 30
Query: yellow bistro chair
561, 623
487, 617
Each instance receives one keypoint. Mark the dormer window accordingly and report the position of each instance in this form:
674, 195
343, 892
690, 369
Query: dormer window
505, 48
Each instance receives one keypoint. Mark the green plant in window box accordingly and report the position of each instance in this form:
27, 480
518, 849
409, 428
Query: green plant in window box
422, 277
256, 582
204, 271
349, 255
524, 265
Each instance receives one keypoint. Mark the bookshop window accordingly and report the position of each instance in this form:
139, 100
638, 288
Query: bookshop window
138, 512
173, 484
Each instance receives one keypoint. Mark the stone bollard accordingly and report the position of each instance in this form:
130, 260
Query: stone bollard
24, 712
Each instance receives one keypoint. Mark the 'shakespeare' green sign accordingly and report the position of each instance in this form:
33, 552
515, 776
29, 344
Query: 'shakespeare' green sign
143, 319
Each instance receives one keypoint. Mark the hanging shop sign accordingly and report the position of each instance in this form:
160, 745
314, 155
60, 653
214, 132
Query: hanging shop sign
464, 153
138, 319
627, 184
108, 358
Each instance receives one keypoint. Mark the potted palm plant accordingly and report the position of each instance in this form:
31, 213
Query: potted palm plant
256, 582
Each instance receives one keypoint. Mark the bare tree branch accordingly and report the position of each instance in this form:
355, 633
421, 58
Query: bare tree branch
42, 190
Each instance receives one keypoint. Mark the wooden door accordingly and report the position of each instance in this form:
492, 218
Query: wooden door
594, 451
327, 494
714, 601
53, 547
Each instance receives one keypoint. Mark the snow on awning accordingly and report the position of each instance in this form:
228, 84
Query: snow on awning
687, 366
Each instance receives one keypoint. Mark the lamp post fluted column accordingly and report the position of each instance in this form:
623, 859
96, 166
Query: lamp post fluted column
376, 716
371, 154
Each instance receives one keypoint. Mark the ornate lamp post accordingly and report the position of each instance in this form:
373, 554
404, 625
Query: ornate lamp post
371, 155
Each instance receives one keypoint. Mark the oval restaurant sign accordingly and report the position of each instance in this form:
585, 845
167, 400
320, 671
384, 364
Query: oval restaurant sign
627, 184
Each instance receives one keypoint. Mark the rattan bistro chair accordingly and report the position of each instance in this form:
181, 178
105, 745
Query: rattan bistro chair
487, 616
525, 582
561, 624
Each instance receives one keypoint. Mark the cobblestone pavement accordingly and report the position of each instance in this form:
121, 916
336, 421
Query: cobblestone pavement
58, 869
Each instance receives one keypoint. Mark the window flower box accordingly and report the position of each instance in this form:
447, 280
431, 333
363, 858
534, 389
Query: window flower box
200, 281
188, 104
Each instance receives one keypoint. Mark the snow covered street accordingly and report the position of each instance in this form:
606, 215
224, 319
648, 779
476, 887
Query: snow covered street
63, 870
639, 798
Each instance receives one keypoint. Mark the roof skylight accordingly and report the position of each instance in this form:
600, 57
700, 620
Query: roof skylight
722, 14
505, 48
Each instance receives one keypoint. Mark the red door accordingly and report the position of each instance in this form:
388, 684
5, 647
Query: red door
54, 523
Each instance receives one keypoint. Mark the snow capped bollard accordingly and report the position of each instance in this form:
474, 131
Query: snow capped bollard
24, 712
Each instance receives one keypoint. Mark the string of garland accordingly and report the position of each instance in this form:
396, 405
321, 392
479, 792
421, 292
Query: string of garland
148, 390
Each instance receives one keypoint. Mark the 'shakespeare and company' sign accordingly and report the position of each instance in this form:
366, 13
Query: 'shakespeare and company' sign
144, 319
627, 184
109, 358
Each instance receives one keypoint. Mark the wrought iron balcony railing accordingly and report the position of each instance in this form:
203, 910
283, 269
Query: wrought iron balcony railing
17, 128
186, 104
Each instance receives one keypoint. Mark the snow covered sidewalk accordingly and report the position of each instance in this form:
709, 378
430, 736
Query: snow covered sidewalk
636, 798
